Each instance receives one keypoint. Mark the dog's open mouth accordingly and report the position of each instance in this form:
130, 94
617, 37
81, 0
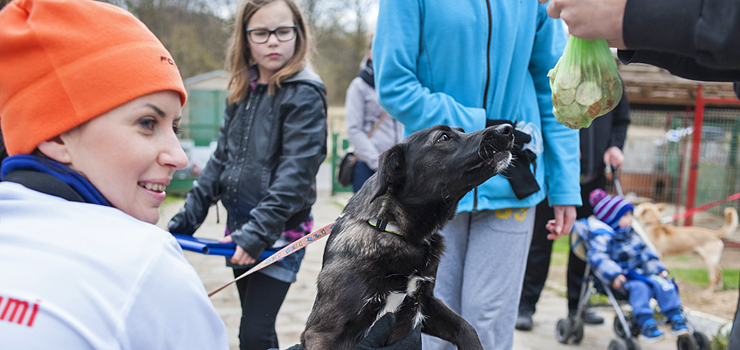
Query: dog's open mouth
496, 159
495, 153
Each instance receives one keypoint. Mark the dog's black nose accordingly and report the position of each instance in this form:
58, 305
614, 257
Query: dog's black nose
504, 129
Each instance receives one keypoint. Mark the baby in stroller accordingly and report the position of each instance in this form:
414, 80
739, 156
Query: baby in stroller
621, 260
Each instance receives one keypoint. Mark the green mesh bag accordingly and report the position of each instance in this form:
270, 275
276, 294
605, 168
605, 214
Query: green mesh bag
585, 83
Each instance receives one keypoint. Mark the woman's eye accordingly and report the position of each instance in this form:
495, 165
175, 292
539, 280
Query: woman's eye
176, 129
443, 138
148, 123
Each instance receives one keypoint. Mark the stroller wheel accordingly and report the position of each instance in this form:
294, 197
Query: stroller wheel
702, 340
632, 344
563, 331
688, 343
618, 344
618, 328
577, 335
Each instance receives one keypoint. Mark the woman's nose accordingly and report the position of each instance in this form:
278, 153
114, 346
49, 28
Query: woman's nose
173, 155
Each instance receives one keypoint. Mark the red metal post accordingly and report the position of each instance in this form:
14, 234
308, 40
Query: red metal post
695, 154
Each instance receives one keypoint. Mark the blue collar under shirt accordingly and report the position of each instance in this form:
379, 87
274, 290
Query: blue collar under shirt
60, 171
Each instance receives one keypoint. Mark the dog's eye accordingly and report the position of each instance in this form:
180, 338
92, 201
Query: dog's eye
443, 138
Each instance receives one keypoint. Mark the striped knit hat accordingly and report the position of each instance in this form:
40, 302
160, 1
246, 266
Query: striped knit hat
609, 209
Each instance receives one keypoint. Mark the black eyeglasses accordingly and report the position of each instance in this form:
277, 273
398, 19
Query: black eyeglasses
261, 35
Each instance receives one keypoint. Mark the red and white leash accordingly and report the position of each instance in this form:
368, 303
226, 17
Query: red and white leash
690, 212
290, 249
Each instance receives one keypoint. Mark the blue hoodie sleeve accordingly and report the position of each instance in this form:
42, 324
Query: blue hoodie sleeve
396, 50
651, 261
562, 146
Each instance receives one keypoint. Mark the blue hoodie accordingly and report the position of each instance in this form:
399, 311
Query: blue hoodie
431, 58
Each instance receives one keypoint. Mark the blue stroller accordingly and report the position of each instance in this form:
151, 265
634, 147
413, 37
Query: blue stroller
570, 330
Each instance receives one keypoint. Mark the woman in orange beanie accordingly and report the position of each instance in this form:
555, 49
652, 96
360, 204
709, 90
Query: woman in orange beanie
270, 146
90, 102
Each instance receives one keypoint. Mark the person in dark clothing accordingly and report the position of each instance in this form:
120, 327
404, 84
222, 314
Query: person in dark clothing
270, 146
601, 144
693, 39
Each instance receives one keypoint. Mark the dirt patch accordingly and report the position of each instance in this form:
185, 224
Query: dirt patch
719, 303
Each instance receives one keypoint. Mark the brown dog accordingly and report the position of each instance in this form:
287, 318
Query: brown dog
674, 240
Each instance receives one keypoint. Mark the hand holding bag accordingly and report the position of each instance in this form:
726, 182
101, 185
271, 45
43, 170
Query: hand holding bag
347, 165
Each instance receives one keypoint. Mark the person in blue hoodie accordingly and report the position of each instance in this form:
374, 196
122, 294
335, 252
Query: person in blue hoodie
472, 65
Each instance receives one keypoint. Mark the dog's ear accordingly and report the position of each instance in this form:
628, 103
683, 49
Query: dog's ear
391, 171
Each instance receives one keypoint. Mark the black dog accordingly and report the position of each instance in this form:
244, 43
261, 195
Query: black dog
383, 253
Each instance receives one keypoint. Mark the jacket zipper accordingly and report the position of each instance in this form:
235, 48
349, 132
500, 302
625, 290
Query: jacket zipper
488, 55
488, 82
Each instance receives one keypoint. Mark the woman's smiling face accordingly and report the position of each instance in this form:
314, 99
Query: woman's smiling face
130, 152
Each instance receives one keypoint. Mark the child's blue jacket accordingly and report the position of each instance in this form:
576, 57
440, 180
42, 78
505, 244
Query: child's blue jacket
612, 253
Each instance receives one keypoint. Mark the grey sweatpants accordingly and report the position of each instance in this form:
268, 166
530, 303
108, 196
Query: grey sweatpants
481, 273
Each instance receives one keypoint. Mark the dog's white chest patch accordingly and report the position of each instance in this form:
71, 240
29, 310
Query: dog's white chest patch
394, 299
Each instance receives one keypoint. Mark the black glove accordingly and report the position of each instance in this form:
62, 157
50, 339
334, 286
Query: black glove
379, 334
521, 178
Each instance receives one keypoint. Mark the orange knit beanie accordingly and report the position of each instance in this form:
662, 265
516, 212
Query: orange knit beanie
64, 62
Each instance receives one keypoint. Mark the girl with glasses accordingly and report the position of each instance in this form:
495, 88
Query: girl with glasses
270, 146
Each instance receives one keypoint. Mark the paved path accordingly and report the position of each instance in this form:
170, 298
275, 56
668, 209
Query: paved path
298, 303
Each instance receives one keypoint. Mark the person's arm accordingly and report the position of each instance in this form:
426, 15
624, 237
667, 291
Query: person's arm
613, 155
354, 117
652, 263
304, 148
699, 33
562, 166
681, 66
620, 122
396, 48
206, 190
706, 30
598, 256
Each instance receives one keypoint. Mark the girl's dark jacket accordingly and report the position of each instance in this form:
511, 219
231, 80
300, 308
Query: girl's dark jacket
264, 167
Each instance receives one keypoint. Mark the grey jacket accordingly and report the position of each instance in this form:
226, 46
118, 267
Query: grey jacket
362, 112
264, 167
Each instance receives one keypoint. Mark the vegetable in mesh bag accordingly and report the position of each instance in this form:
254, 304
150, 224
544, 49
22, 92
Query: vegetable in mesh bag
585, 83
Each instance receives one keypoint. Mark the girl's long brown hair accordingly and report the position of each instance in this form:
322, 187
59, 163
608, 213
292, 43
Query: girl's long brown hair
239, 57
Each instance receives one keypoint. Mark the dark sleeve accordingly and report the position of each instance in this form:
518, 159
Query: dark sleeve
206, 190
303, 111
703, 30
682, 66
620, 121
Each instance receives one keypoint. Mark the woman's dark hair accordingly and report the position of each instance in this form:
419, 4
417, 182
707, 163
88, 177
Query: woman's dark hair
3, 151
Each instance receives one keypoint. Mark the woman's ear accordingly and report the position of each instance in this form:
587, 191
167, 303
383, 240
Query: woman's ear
56, 149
